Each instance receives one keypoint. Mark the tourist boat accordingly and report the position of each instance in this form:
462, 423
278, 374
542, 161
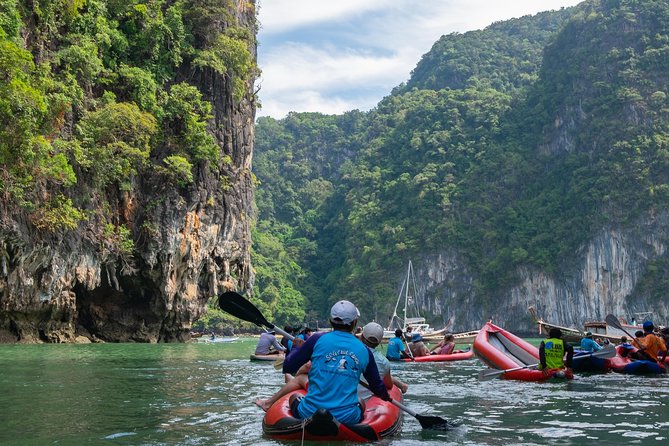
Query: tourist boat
569, 334
381, 419
216, 340
599, 329
274, 357
415, 324
502, 350
457, 356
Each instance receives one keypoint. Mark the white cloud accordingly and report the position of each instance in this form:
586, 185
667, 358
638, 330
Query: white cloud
281, 15
337, 56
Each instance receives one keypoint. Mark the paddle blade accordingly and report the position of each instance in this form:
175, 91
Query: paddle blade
606, 353
236, 305
433, 422
487, 375
613, 321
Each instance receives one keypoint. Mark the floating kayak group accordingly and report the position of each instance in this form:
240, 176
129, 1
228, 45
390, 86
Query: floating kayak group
511, 357
507, 356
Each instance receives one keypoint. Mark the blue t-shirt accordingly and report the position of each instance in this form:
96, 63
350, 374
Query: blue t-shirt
589, 345
337, 360
395, 348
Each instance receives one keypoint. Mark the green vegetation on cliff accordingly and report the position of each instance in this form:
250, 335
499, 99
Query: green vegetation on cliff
511, 146
95, 92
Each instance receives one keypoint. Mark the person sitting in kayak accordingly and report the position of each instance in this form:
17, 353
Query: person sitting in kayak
624, 348
333, 386
552, 352
417, 347
588, 344
396, 350
652, 346
268, 345
372, 334
445, 346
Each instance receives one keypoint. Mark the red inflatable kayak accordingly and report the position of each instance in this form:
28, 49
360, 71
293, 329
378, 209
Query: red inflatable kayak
382, 419
502, 350
438, 358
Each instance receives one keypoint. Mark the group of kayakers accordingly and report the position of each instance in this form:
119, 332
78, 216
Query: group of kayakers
647, 345
332, 365
416, 347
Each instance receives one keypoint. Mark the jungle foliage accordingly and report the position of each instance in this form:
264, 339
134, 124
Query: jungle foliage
511, 146
96, 93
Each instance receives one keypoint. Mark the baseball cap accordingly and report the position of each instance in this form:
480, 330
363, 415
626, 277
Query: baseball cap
373, 332
416, 337
344, 312
648, 325
588, 334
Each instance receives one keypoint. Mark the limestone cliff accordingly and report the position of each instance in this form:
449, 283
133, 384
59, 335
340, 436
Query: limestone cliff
601, 279
190, 242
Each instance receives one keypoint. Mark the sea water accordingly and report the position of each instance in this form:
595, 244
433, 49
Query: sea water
202, 394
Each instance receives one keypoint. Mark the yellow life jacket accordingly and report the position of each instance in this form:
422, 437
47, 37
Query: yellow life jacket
554, 350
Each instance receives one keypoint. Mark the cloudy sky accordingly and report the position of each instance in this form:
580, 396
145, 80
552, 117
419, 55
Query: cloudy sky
332, 56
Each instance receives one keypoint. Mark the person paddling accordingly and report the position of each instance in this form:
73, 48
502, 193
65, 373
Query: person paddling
552, 352
418, 347
652, 346
396, 350
268, 345
338, 359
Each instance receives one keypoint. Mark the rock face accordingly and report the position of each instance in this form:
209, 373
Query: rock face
601, 280
191, 243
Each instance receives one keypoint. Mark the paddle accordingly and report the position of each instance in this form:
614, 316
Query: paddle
238, 306
486, 375
614, 322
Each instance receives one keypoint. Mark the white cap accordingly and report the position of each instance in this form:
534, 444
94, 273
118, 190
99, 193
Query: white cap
344, 312
373, 332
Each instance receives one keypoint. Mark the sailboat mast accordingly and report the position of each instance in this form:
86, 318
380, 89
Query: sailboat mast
406, 295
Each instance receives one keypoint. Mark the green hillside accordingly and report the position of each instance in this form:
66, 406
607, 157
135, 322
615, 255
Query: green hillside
511, 146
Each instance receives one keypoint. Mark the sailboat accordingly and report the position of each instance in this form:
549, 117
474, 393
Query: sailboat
417, 324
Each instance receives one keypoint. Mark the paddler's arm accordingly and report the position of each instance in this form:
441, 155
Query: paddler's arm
371, 374
542, 355
570, 355
300, 355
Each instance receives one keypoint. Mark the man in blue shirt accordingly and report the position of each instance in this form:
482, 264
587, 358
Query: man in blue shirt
588, 344
338, 359
396, 350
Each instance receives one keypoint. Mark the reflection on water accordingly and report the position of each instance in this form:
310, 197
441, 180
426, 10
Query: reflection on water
202, 394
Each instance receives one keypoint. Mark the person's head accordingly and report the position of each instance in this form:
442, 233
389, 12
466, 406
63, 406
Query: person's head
272, 332
448, 337
588, 334
648, 326
344, 316
623, 339
288, 329
416, 337
555, 333
398, 332
638, 334
372, 334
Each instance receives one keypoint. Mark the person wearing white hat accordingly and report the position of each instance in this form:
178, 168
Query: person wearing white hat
268, 344
372, 334
338, 359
